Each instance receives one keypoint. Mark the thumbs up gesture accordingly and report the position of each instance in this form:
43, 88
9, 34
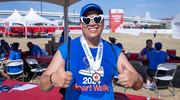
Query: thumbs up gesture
126, 77
61, 77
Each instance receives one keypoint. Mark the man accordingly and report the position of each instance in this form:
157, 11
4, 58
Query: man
35, 49
155, 57
92, 63
4, 48
61, 40
112, 39
145, 50
14, 55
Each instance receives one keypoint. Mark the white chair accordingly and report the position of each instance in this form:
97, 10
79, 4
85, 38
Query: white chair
170, 69
37, 68
15, 63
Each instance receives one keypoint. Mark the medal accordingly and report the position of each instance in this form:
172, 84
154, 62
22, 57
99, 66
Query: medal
96, 77
94, 65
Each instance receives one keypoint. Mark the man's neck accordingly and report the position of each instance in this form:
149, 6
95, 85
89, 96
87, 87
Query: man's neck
92, 42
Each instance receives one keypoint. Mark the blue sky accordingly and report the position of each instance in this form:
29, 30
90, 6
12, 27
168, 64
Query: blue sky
157, 8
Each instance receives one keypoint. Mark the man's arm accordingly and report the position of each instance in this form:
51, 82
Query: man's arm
128, 75
145, 56
59, 76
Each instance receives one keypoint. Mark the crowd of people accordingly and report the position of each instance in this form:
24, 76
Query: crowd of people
14, 53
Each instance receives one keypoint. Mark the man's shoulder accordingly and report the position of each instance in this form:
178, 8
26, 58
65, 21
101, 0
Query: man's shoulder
36, 46
75, 40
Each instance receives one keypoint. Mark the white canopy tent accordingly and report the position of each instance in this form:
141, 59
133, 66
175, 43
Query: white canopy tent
32, 18
64, 3
14, 18
176, 27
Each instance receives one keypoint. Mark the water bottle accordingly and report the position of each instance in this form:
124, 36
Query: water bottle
128, 54
38, 55
148, 98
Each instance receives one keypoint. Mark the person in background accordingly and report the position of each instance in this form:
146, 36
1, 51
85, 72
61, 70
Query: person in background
148, 47
119, 45
4, 48
34, 48
155, 32
14, 55
145, 50
112, 39
87, 72
21, 32
155, 57
61, 40
47, 30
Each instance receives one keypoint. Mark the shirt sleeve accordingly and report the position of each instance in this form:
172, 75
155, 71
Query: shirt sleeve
12, 55
144, 49
63, 50
40, 51
117, 51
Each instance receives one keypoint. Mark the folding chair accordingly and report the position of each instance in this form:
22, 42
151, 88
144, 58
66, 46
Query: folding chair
170, 69
14, 64
37, 68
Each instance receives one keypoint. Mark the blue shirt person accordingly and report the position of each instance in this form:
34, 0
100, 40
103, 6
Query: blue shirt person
34, 48
61, 40
155, 58
14, 55
148, 47
92, 63
4, 48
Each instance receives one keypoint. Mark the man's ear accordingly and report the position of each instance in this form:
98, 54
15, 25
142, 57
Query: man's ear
80, 23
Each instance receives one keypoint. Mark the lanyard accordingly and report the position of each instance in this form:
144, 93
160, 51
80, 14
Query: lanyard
93, 64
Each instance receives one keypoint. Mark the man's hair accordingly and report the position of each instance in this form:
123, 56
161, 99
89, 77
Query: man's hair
158, 46
30, 43
149, 40
16, 45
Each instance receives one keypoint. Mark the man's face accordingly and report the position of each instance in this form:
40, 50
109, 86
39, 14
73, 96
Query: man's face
92, 30
149, 44
29, 46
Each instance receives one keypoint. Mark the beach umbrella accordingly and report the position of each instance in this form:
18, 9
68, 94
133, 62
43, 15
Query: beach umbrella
64, 3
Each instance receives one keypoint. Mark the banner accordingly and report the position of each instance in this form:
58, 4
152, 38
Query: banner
6, 24
115, 19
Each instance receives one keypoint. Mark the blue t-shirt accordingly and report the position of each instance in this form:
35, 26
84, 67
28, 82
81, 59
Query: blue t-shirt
61, 40
35, 50
146, 51
14, 55
82, 86
156, 57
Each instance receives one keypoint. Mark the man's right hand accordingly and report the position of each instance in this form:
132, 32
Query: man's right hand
61, 77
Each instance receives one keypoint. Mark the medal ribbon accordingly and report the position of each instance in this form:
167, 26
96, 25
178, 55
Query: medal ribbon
97, 63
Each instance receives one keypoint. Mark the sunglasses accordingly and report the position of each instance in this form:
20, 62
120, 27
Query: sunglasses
96, 19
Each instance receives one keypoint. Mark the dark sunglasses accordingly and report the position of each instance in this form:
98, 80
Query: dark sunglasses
96, 19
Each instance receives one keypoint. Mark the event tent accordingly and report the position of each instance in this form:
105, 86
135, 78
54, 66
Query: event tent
64, 3
14, 18
32, 18
176, 27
